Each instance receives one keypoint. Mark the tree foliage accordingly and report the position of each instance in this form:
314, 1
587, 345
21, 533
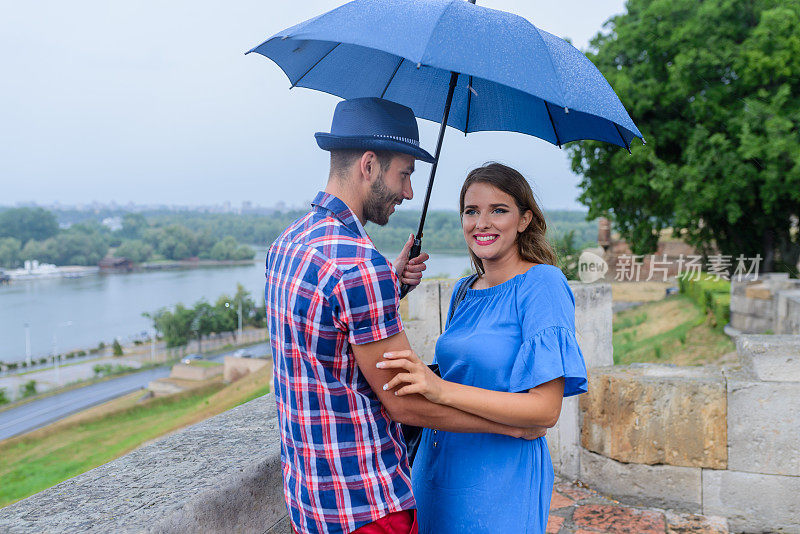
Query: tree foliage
181, 324
28, 223
714, 86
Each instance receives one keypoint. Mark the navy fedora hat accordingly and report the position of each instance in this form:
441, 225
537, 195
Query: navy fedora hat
373, 124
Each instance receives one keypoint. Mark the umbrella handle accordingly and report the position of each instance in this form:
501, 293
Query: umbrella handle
416, 249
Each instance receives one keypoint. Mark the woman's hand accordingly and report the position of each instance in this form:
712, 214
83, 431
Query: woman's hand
416, 377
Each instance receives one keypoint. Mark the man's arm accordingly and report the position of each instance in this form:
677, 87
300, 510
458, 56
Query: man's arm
417, 410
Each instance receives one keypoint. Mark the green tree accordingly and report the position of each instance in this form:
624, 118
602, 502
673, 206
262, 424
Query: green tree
204, 322
133, 225
173, 326
117, 348
10, 252
28, 223
229, 249
135, 250
43, 251
715, 88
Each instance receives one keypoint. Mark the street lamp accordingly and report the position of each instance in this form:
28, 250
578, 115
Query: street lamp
56, 355
28, 345
239, 316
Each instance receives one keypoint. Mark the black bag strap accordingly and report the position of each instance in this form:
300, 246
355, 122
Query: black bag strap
462, 292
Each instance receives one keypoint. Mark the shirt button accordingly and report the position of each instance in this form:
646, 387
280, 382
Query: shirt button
435, 431
435, 443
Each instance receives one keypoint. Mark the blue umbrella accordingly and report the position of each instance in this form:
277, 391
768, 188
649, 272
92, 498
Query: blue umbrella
451, 61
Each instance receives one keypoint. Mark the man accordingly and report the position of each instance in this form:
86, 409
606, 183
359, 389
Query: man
332, 302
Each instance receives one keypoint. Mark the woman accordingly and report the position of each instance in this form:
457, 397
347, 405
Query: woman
508, 354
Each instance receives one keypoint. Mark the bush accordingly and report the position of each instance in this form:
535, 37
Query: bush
81, 353
713, 296
721, 309
117, 348
3, 398
42, 361
28, 389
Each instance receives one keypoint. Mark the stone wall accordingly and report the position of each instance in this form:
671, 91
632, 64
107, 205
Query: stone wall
720, 442
769, 303
723, 442
221, 475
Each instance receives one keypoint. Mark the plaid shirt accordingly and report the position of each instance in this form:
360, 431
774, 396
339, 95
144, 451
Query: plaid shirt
344, 461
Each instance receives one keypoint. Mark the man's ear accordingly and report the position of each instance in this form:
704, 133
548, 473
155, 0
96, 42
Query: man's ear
369, 166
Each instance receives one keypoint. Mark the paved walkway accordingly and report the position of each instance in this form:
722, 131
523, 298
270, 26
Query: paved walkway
578, 510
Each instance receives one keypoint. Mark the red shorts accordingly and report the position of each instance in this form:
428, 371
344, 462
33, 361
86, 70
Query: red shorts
404, 522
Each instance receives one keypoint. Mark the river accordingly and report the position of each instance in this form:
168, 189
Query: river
78, 313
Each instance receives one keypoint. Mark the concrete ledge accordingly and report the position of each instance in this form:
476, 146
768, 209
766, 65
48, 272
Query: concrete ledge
662, 486
752, 502
772, 358
220, 475
195, 372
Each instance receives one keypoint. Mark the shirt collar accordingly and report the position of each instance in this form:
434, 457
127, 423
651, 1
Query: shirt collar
339, 209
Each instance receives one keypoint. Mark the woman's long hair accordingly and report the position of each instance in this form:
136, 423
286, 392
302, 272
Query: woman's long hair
531, 242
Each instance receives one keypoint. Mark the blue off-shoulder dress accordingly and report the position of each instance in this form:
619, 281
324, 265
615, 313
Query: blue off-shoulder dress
511, 337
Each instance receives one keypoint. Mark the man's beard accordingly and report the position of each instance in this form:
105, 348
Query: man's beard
377, 207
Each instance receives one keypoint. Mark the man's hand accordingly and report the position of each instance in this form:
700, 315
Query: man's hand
410, 271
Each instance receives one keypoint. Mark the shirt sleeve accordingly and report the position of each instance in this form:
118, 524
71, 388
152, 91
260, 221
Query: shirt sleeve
546, 311
366, 302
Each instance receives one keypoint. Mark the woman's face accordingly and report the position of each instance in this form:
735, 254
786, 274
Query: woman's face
491, 221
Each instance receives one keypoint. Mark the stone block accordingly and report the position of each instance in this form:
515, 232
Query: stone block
423, 326
791, 323
750, 324
593, 317
236, 368
656, 414
422, 338
662, 486
739, 304
563, 440
445, 294
753, 502
758, 291
787, 312
774, 358
764, 427
184, 371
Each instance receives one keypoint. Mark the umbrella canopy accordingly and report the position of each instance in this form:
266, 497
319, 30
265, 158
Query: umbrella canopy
511, 76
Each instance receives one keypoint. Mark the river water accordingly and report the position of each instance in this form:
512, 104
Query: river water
78, 313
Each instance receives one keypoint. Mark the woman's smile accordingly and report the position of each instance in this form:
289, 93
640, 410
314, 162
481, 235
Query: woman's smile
485, 239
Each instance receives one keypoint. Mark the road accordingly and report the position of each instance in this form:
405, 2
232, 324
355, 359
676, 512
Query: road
38, 413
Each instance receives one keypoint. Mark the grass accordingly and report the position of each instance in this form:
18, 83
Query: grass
45, 457
204, 363
672, 330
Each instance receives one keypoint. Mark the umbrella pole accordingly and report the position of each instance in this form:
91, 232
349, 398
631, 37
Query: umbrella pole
416, 248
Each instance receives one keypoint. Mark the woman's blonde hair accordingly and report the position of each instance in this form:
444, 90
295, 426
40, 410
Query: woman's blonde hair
531, 242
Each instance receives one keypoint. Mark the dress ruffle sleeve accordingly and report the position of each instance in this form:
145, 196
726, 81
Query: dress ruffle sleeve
548, 354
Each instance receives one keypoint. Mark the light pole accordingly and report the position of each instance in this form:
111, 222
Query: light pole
56, 355
153, 344
28, 345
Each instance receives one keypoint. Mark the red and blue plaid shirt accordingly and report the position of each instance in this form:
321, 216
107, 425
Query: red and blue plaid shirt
344, 460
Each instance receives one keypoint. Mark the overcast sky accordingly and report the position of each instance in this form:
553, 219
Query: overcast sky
155, 102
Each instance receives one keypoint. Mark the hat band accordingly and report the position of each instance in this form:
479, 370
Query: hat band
408, 140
